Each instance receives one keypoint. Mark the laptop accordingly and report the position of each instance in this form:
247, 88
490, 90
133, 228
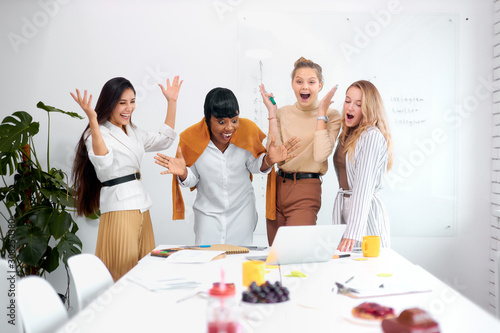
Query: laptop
304, 244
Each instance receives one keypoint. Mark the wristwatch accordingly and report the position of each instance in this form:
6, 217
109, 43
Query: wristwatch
325, 118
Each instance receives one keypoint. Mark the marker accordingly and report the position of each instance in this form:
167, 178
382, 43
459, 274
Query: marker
271, 99
349, 279
205, 245
341, 256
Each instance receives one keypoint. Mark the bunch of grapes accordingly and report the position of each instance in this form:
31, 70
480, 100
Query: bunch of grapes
266, 293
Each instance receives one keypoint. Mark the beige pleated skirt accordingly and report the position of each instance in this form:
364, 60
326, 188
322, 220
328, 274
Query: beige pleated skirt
124, 237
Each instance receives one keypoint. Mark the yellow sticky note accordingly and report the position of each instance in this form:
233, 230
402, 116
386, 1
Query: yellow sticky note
296, 274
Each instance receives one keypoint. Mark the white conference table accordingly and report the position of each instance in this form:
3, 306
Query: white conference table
131, 307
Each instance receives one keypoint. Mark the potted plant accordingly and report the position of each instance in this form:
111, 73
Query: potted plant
41, 230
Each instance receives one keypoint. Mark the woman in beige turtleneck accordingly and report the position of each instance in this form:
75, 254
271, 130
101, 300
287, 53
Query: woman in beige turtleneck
298, 184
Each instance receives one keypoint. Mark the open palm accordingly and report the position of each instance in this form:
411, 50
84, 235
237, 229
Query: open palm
282, 152
172, 91
174, 165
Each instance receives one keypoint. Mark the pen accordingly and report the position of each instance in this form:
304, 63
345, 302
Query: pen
341, 256
350, 279
194, 246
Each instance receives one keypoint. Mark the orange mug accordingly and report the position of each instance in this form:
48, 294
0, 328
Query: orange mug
371, 246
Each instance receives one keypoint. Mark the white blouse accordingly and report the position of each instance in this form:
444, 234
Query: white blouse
224, 208
125, 152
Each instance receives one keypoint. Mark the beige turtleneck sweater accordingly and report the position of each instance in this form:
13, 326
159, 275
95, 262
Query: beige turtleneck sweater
315, 146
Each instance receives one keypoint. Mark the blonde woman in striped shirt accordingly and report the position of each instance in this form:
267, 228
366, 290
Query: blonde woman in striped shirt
362, 158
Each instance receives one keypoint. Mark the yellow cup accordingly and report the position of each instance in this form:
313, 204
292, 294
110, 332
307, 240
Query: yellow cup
254, 271
371, 246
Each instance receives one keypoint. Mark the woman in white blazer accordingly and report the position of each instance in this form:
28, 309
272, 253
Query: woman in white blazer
106, 171
362, 158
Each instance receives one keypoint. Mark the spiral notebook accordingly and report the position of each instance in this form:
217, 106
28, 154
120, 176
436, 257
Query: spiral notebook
228, 248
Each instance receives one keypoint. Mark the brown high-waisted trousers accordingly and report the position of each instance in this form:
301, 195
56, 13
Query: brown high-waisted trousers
297, 203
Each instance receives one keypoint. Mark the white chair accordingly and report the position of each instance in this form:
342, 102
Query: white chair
91, 277
40, 308
9, 323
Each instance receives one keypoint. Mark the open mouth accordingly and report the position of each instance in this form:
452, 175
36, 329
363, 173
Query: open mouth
350, 116
305, 96
125, 116
227, 136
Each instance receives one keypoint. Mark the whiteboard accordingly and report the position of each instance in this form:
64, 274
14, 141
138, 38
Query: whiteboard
411, 58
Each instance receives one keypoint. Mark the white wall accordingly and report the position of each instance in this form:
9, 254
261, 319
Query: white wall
62, 45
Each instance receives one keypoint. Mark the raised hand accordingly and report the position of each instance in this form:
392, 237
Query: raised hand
266, 98
85, 104
172, 91
326, 101
174, 166
283, 152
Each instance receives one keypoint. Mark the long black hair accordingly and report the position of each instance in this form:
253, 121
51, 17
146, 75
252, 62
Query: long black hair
87, 186
220, 103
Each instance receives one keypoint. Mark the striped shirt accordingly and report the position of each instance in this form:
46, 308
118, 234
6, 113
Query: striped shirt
365, 176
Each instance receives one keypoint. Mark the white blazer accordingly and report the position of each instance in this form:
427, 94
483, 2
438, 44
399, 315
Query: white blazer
125, 152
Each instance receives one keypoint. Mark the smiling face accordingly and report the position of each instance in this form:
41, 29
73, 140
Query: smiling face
123, 109
222, 129
352, 107
306, 86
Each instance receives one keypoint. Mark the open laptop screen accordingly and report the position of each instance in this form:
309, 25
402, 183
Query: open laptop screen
303, 244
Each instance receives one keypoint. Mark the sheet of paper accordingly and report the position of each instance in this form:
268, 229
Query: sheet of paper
193, 256
154, 284
385, 285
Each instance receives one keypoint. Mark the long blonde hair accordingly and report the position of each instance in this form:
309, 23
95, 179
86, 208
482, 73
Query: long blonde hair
373, 111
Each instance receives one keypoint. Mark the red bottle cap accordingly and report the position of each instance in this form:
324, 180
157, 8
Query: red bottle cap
220, 290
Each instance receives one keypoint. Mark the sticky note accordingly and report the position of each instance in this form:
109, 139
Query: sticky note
296, 274
384, 274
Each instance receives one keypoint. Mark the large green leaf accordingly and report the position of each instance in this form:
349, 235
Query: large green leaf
16, 130
23, 183
4, 191
41, 218
68, 246
51, 261
8, 160
59, 223
49, 108
32, 244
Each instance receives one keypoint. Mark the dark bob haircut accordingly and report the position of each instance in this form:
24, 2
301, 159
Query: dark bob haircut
220, 103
